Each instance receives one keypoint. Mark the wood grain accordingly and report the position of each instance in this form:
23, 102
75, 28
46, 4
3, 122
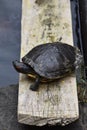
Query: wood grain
54, 103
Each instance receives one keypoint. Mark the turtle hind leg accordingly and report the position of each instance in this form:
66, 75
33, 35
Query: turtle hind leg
35, 86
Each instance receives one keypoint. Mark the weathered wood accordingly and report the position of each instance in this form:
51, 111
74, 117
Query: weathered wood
54, 103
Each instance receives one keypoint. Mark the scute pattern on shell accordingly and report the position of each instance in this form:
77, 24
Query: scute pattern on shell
51, 60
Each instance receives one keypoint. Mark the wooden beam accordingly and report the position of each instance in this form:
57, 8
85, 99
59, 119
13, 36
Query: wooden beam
54, 103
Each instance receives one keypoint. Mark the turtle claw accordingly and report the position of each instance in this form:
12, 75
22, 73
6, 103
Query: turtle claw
33, 87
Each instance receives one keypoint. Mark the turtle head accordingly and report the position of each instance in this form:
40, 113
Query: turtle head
22, 68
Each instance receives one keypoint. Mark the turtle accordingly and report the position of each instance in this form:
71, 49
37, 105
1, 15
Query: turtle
48, 62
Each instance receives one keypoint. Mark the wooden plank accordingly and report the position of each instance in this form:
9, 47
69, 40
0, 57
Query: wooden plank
54, 103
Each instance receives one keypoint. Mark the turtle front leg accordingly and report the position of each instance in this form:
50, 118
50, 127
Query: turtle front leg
34, 87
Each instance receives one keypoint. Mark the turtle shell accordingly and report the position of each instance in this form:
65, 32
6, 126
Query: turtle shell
51, 60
